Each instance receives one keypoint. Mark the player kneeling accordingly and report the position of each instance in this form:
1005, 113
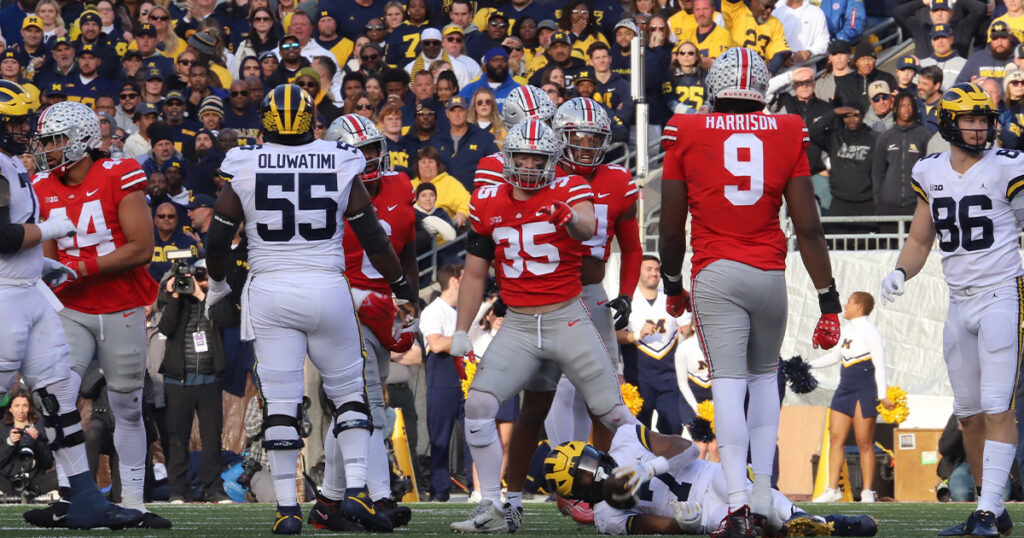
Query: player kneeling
650, 483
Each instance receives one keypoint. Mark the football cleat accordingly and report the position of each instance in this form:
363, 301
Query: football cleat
860, 525
52, 516
288, 520
324, 515
979, 523
149, 520
398, 515
804, 524
513, 517
112, 517
579, 511
737, 524
358, 508
1004, 524
485, 519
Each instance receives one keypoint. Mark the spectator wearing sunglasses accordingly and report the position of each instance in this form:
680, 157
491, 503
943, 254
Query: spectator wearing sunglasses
357, 14
167, 237
129, 97
371, 59
290, 53
494, 32
879, 116
453, 43
262, 35
376, 32
240, 114
1011, 119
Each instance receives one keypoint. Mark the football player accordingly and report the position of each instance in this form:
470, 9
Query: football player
392, 195
295, 194
968, 196
531, 227
34, 344
104, 313
733, 168
583, 129
650, 483
522, 103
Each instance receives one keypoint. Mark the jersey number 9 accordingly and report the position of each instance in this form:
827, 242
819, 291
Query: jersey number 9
748, 163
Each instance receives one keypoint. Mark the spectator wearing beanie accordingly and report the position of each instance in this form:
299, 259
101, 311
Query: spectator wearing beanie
211, 114
309, 80
161, 140
199, 88
495, 72
853, 88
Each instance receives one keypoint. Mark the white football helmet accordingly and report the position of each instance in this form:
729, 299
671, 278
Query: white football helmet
739, 73
72, 128
582, 115
526, 103
536, 138
357, 131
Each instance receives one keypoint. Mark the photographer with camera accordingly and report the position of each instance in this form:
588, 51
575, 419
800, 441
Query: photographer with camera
256, 467
26, 463
193, 362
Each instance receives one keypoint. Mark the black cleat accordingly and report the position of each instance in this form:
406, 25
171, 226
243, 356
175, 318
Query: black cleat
860, 525
324, 516
398, 515
53, 516
112, 517
152, 521
357, 507
287, 520
981, 523
1004, 524
737, 524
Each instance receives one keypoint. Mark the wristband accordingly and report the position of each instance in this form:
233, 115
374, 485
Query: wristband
673, 284
900, 269
92, 266
403, 290
828, 301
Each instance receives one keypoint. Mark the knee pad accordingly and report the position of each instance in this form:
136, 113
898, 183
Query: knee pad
481, 432
283, 420
481, 405
56, 421
359, 416
619, 416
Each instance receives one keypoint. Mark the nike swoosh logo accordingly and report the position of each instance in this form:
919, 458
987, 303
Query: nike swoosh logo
392, 207
474, 431
92, 192
571, 323
603, 194
599, 303
126, 314
57, 518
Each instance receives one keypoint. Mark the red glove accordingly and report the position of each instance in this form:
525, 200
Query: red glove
377, 312
560, 213
460, 364
675, 305
406, 338
826, 334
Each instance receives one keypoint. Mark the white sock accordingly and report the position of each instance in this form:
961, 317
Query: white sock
354, 444
761, 495
515, 498
733, 439
998, 457
378, 470
130, 442
334, 472
62, 477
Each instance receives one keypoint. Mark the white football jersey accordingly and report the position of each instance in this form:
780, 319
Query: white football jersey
24, 208
976, 227
295, 199
663, 340
630, 445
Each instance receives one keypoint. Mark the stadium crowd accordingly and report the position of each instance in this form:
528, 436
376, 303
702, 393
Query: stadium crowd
176, 85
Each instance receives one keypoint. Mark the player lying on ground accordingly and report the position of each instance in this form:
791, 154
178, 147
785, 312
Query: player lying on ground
650, 483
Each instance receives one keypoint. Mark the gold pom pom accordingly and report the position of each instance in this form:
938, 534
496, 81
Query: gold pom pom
897, 414
706, 411
631, 397
470, 372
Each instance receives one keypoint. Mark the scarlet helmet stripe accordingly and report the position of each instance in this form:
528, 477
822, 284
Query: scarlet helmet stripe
744, 68
357, 128
528, 99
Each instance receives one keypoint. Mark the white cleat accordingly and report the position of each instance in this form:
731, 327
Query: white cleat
868, 496
830, 495
486, 519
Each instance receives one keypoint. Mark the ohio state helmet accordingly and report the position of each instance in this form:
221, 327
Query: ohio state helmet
582, 115
536, 138
357, 131
526, 103
72, 128
739, 73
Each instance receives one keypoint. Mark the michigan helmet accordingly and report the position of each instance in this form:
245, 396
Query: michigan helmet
582, 115
526, 103
739, 73
536, 138
287, 116
576, 470
68, 131
357, 131
15, 107
966, 99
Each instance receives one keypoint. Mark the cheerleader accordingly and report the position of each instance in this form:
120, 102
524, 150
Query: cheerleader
861, 386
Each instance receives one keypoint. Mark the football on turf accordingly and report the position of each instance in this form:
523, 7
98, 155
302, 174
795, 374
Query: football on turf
617, 495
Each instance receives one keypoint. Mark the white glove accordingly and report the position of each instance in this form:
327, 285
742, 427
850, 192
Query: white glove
461, 345
55, 273
219, 289
437, 226
688, 516
640, 473
57, 228
892, 286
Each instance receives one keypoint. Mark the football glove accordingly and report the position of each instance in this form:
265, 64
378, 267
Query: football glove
405, 338
57, 228
688, 516
638, 474
892, 285
621, 308
826, 333
677, 300
559, 213
460, 346
55, 273
219, 289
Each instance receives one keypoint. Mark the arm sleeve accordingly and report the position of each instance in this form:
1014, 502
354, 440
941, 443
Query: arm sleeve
828, 359
878, 358
853, 23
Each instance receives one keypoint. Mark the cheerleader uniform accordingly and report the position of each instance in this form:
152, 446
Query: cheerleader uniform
696, 385
862, 378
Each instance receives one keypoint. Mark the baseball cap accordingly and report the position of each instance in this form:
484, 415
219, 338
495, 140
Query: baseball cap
267, 54
62, 40
88, 48
154, 73
103, 116
941, 30
133, 53
427, 105
584, 74
625, 23
560, 37
941, 4
456, 100
999, 29
547, 24
453, 29
201, 199
90, 16
32, 20
174, 96
146, 108
863, 50
56, 88
146, 29
840, 46
430, 34
878, 87
908, 62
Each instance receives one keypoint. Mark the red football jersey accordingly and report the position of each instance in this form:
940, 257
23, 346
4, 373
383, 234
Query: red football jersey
614, 193
393, 205
490, 170
736, 168
536, 263
92, 205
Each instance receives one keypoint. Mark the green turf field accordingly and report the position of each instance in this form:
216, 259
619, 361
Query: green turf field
896, 520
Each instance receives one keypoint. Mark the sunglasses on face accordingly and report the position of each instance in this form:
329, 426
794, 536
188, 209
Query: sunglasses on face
1016, 82
129, 95
166, 216
803, 83
238, 93
262, 19
370, 57
364, 107
306, 84
486, 102
657, 28
287, 46
372, 27
498, 24
431, 43
513, 48
453, 39
687, 53
160, 18
881, 97
185, 61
